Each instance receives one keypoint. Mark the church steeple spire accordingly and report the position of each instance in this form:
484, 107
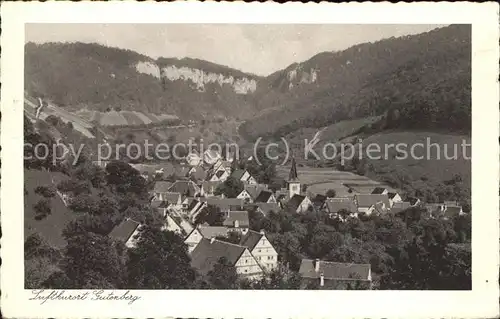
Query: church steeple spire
293, 171
293, 180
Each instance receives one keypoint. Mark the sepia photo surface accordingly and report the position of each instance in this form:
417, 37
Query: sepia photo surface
194, 160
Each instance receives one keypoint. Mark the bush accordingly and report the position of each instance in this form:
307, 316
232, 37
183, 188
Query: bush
42, 209
45, 191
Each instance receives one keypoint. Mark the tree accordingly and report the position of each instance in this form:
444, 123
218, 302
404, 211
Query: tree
125, 179
42, 208
45, 191
230, 188
331, 193
210, 215
91, 261
223, 275
160, 261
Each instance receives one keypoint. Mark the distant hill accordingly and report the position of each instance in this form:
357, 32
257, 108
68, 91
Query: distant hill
418, 81
92, 77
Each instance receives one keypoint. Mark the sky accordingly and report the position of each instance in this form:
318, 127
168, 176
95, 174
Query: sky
258, 49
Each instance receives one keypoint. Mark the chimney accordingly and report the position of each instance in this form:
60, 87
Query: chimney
321, 280
262, 232
236, 223
316, 265
212, 240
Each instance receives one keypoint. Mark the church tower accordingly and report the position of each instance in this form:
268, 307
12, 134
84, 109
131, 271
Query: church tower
293, 180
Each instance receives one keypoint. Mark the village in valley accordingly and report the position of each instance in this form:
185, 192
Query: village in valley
210, 218
185, 193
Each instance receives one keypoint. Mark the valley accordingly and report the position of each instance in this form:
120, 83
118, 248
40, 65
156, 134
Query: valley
168, 223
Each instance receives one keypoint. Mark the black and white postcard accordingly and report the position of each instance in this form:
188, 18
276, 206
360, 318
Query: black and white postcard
249, 160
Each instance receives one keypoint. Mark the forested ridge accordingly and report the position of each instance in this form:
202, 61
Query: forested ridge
420, 81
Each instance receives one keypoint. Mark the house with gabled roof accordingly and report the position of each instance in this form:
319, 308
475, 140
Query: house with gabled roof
127, 231
251, 191
380, 191
261, 248
173, 224
185, 188
299, 204
211, 156
204, 231
394, 198
192, 206
334, 275
244, 176
414, 201
266, 208
220, 175
161, 188
451, 211
265, 197
237, 221
208, 188
366, 202
225, 204
399, 207
209, 252
335, 205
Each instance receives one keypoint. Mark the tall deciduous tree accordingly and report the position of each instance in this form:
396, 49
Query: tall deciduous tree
160, 261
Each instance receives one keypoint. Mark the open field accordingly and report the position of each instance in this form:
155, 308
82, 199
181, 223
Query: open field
320, 180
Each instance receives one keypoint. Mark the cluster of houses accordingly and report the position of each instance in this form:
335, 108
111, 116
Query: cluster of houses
181, 201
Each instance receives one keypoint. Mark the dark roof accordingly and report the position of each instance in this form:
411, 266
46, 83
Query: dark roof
158, 204
378, 190
334, 270
292, 176
263, 196
400, 206
207, 253
172, 197
255, 190
334, 206
452, 211
123, 231
391, 195
192, 204
251, 239
266, 208
413, 200
240, 216
162, 186
367, 200
185, 188
212, 231
295, 201
238, 174
199, 173
225, 204
220, 173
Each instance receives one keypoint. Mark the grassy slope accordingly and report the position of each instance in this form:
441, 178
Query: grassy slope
50, 227
423, 173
